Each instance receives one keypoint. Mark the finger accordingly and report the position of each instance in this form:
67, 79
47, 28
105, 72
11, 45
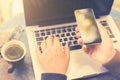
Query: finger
78, 35
57, 45
80, 41
77, 29
43, 46
88, 49
49, 41
56, 42
84, 48
67, 50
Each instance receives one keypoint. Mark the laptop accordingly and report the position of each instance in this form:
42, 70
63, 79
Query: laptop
56, 17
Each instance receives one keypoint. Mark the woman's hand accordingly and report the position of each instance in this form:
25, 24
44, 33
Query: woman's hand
54, 58
102, 52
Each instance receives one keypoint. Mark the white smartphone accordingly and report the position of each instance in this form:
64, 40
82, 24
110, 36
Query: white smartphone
89, 31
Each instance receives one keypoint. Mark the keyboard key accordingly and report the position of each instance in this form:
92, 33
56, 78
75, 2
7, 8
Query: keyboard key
59, 31
104, 23
53, 32
70, 38
42, 31
48, 33
64, 30
36, 32
57, 35
69, 29
39, 39
73, 28
37, 35
75, 47
67, 34
111, 36
52, 29
73, 33
115, 41
43, 34
60, 40
65, 39
75, 42
75, 38
48, 30
69, 43
62, 35
108, 28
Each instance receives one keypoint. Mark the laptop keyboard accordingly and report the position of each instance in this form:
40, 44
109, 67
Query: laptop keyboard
109, 31
66, 34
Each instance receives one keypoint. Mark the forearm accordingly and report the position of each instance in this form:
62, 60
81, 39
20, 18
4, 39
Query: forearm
53, 76
114, 64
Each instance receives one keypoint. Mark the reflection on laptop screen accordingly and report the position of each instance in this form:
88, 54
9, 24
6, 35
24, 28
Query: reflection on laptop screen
47, 12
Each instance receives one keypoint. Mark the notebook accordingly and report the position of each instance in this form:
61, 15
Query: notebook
56, 17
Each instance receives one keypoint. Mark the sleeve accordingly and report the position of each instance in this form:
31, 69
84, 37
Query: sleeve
53, 76
114, 64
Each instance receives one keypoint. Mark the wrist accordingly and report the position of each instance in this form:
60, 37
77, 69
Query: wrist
110, 57
114, 64
113, 59
56, 71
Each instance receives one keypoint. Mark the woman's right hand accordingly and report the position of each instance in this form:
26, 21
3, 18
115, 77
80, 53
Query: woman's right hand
102, 52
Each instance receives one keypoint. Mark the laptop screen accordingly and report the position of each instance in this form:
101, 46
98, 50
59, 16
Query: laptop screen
50, 12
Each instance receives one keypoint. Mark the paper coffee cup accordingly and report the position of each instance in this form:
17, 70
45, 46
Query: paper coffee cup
13, 51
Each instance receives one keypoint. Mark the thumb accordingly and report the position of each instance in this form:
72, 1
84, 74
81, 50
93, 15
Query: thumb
67, 50
87, 50
84, 48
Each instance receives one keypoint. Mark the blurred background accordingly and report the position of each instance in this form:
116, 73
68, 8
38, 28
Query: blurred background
11, 8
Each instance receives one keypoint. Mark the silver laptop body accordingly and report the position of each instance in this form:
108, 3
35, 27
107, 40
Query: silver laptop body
54, 19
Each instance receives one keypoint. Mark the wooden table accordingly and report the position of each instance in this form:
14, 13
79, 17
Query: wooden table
24, 71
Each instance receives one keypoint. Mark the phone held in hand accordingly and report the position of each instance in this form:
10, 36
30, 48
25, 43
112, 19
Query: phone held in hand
87, 25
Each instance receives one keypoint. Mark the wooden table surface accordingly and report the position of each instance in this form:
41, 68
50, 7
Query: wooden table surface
24, 71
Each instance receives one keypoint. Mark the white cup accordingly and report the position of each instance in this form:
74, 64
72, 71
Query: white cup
15, 49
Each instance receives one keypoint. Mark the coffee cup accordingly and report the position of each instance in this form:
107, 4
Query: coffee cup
13, 52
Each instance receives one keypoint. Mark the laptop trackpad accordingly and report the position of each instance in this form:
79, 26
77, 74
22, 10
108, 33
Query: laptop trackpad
82, 65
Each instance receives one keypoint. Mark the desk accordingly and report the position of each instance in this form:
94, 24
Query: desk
26, 72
